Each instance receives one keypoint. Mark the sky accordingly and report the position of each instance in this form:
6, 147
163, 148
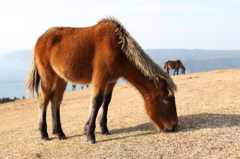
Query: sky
154, 24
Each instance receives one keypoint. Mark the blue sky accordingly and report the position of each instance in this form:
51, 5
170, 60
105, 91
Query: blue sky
176, 24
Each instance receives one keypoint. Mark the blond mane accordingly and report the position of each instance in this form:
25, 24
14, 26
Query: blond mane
138, 57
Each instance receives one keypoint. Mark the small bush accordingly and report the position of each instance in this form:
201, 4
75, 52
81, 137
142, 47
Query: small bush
5, 100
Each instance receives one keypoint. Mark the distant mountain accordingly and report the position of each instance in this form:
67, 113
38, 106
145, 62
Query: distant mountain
163, 55
19, 55
198, 60
194, 60
194, 66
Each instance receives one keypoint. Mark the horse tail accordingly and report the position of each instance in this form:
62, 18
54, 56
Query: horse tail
165, 65
33, 79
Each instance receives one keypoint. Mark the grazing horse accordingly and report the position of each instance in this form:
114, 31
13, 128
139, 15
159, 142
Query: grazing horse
174, 65
74, 87
83, 87
99, 55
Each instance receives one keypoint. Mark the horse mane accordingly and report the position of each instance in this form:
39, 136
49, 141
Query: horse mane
180, 62
138, 57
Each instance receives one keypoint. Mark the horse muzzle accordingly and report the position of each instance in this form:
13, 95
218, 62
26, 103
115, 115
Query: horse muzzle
173, 129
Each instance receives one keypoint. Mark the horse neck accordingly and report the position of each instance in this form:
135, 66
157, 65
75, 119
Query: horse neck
181, 66
142, 83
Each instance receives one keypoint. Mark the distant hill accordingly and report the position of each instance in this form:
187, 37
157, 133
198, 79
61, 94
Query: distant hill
198, 60
194, 60
163, 55
194, 66
19, 55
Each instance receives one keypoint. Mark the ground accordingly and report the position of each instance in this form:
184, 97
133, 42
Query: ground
208, 107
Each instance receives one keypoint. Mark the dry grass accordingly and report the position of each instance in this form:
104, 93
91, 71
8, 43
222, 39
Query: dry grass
209, 124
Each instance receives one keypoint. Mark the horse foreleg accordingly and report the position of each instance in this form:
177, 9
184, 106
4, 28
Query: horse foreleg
56, 99
174, 71
91, 123
106, 101
177, 71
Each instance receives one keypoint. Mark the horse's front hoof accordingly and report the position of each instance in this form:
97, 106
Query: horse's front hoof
63, 138
45, 138
106, 133
91, 142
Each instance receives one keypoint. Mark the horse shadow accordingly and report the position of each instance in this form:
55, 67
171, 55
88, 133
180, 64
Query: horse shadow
186, 123
207, 120
191, 123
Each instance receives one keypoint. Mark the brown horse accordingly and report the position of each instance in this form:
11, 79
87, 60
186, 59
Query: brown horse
83, 87
176, 65
74, 87
99, 55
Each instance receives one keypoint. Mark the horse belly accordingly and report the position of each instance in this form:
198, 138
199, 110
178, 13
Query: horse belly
75, 67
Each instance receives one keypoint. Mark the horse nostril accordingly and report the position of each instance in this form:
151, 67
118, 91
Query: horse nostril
174, 128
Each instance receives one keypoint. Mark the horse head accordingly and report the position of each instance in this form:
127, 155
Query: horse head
183, 69
161, 107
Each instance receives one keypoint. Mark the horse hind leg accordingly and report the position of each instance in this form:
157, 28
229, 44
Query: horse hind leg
56, 99
106, 100
43, 100
168, 70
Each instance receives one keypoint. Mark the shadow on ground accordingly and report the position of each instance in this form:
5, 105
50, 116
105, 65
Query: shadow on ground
191, 123
186, 123
207, 120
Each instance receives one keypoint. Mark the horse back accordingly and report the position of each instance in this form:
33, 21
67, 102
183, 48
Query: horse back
75, 53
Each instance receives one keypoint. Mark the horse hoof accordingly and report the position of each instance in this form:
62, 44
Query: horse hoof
45, 138
91, 142
63, 138
106, 133
174, 128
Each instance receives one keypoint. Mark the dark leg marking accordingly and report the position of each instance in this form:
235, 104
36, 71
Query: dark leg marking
103, 120
91, 123
43, 126
56, 123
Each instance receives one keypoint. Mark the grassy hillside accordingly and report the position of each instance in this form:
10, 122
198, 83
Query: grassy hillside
209, 123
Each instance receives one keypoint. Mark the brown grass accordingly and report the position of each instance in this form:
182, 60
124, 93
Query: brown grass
209, 123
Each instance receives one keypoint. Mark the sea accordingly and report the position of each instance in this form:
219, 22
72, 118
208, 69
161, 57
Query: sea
12, 76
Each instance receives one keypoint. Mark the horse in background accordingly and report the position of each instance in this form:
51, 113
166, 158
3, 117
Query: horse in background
74, 87
83, 86
99, 55
176, 65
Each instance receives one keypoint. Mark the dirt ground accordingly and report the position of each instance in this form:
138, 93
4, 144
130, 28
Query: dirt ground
208, 106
